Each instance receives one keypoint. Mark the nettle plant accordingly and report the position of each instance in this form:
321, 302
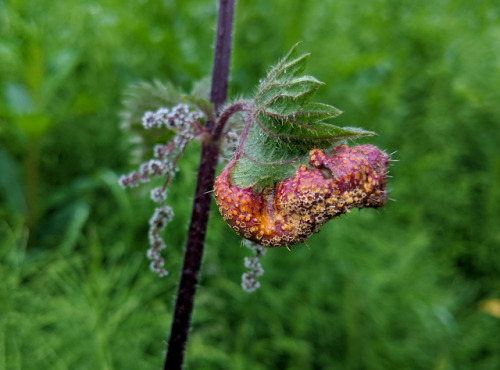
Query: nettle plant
288, 172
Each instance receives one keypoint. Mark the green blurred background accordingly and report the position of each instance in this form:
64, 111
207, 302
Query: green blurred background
412, 286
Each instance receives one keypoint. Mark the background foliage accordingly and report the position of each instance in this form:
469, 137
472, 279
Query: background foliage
412, 286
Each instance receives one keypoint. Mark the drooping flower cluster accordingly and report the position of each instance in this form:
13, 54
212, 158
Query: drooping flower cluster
249, 280
186, 124
161, 217
179, 118
298, 206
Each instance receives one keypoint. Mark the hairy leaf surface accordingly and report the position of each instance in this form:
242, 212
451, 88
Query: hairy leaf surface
286, 125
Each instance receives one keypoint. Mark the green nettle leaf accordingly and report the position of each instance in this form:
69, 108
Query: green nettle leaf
285, 125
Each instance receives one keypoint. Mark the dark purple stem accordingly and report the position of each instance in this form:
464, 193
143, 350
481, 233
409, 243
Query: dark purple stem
202, 198
220, 72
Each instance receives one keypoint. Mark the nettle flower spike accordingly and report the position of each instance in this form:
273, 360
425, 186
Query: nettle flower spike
249, 280
292, 172
187, 124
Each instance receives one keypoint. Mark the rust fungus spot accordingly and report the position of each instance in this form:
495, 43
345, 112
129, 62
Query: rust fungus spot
296, 207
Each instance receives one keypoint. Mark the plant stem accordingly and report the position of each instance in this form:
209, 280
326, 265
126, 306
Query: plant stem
227, 113
202, 199
192, 257
220, 72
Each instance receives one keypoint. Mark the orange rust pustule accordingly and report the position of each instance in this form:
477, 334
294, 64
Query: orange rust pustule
300, 205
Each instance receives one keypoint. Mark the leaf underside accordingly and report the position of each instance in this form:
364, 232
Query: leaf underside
286, 125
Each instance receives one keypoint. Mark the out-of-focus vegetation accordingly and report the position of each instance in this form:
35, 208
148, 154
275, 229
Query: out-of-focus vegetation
412, 286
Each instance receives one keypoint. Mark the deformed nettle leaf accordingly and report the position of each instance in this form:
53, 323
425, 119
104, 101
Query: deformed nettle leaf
285, 125
289, 174
298, 206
